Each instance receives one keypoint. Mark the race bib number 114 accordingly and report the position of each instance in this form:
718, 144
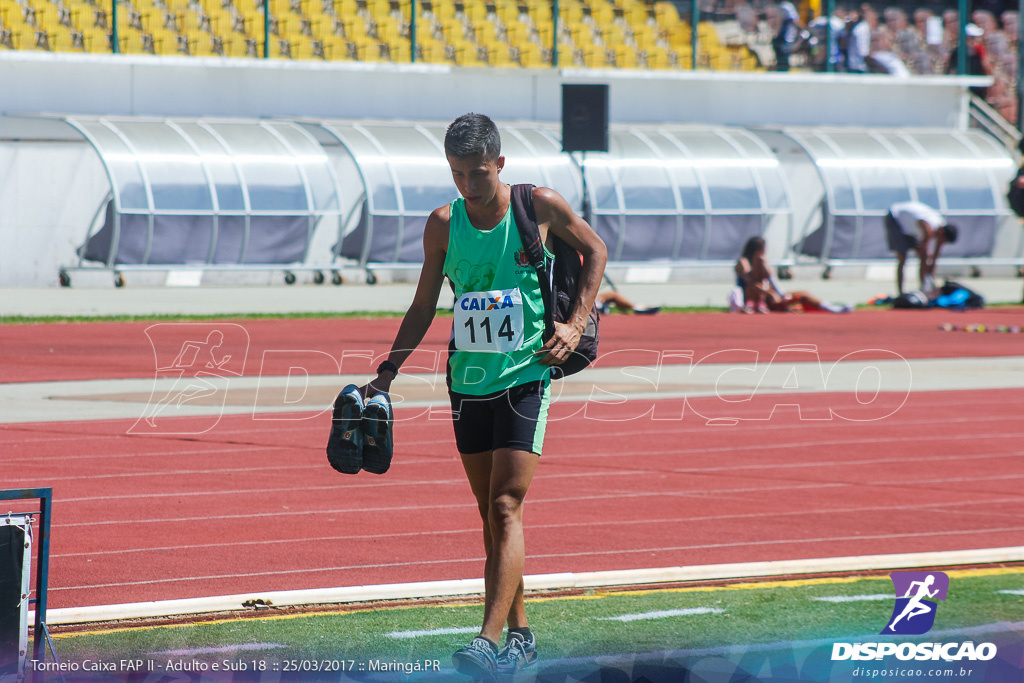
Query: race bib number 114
489, 321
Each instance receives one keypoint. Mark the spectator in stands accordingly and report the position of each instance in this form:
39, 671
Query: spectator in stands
897, 26
818, 27
975, 58
858, 40
757, 290
1009, 21
882, 59
917, 226
985, 20
788, 35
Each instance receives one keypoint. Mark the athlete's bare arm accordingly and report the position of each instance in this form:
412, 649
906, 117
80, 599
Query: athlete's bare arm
554, 215
424, 302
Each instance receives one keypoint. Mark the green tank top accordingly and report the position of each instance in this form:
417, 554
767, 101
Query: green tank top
499, 311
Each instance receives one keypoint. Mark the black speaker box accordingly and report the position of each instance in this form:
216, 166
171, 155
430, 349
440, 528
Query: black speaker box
584, 118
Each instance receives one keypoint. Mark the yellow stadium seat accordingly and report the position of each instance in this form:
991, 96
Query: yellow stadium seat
540, 14
507, 12
432, 51
484, 31
334, 48
302, 48
612, 35
60, 39
235, 46
165, 42
443, 10
517, 32
221, 22
570, 12
96, 40
666, 12
499, 54
594, 56
24, 37
289, 23
400, 52
603, 15
626, 57
475, 10
367, 49
152, 19
531, 56
133, 41
582, 34
567, 55
47, 15
453, 30
544, 30
389, 29
468, 53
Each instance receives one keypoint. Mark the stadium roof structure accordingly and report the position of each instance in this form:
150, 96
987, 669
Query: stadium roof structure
962, 174
321, 194
209, 192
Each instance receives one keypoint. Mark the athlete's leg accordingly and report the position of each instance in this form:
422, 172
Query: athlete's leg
511, 471
478, 471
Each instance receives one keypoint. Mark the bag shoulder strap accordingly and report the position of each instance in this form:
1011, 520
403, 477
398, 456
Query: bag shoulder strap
525, 217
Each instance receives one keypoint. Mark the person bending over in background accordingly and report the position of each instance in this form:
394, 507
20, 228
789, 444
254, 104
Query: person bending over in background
917, 226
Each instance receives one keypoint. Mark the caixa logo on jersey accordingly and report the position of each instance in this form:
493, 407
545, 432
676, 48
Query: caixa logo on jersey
487, 303
913, 614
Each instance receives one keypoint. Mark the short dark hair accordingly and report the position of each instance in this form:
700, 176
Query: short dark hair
950, 233
471, 135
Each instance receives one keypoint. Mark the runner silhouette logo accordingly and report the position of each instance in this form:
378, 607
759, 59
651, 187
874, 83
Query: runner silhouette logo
916, 593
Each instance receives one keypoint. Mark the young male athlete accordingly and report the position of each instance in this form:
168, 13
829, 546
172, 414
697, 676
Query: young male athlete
913, 225
499, 364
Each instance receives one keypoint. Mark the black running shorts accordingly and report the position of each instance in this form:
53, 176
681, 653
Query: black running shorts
515, 418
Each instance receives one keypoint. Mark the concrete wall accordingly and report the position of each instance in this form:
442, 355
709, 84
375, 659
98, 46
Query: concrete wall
35, 82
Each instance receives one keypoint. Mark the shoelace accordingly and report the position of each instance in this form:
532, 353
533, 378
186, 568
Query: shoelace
479, 644
516, 650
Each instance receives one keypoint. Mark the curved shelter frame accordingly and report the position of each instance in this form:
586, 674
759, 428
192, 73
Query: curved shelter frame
405, 175
207, 193
248, 194
962, 174
684, 193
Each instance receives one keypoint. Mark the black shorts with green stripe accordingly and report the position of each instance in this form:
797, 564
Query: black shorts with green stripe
515, 418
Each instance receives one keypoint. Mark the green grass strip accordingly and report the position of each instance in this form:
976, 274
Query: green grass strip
581, 626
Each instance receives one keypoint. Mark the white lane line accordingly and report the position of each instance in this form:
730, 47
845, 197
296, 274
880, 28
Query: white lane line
1012, 591
663, 614
241, 647
853, 598
433, 632
618, 473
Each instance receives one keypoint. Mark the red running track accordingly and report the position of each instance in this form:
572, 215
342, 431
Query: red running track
74, 351
252, 505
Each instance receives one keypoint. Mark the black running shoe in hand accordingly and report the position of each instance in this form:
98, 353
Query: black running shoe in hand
378, 440
345, 444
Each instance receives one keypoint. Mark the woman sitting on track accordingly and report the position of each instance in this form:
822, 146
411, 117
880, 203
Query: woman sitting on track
757, 290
